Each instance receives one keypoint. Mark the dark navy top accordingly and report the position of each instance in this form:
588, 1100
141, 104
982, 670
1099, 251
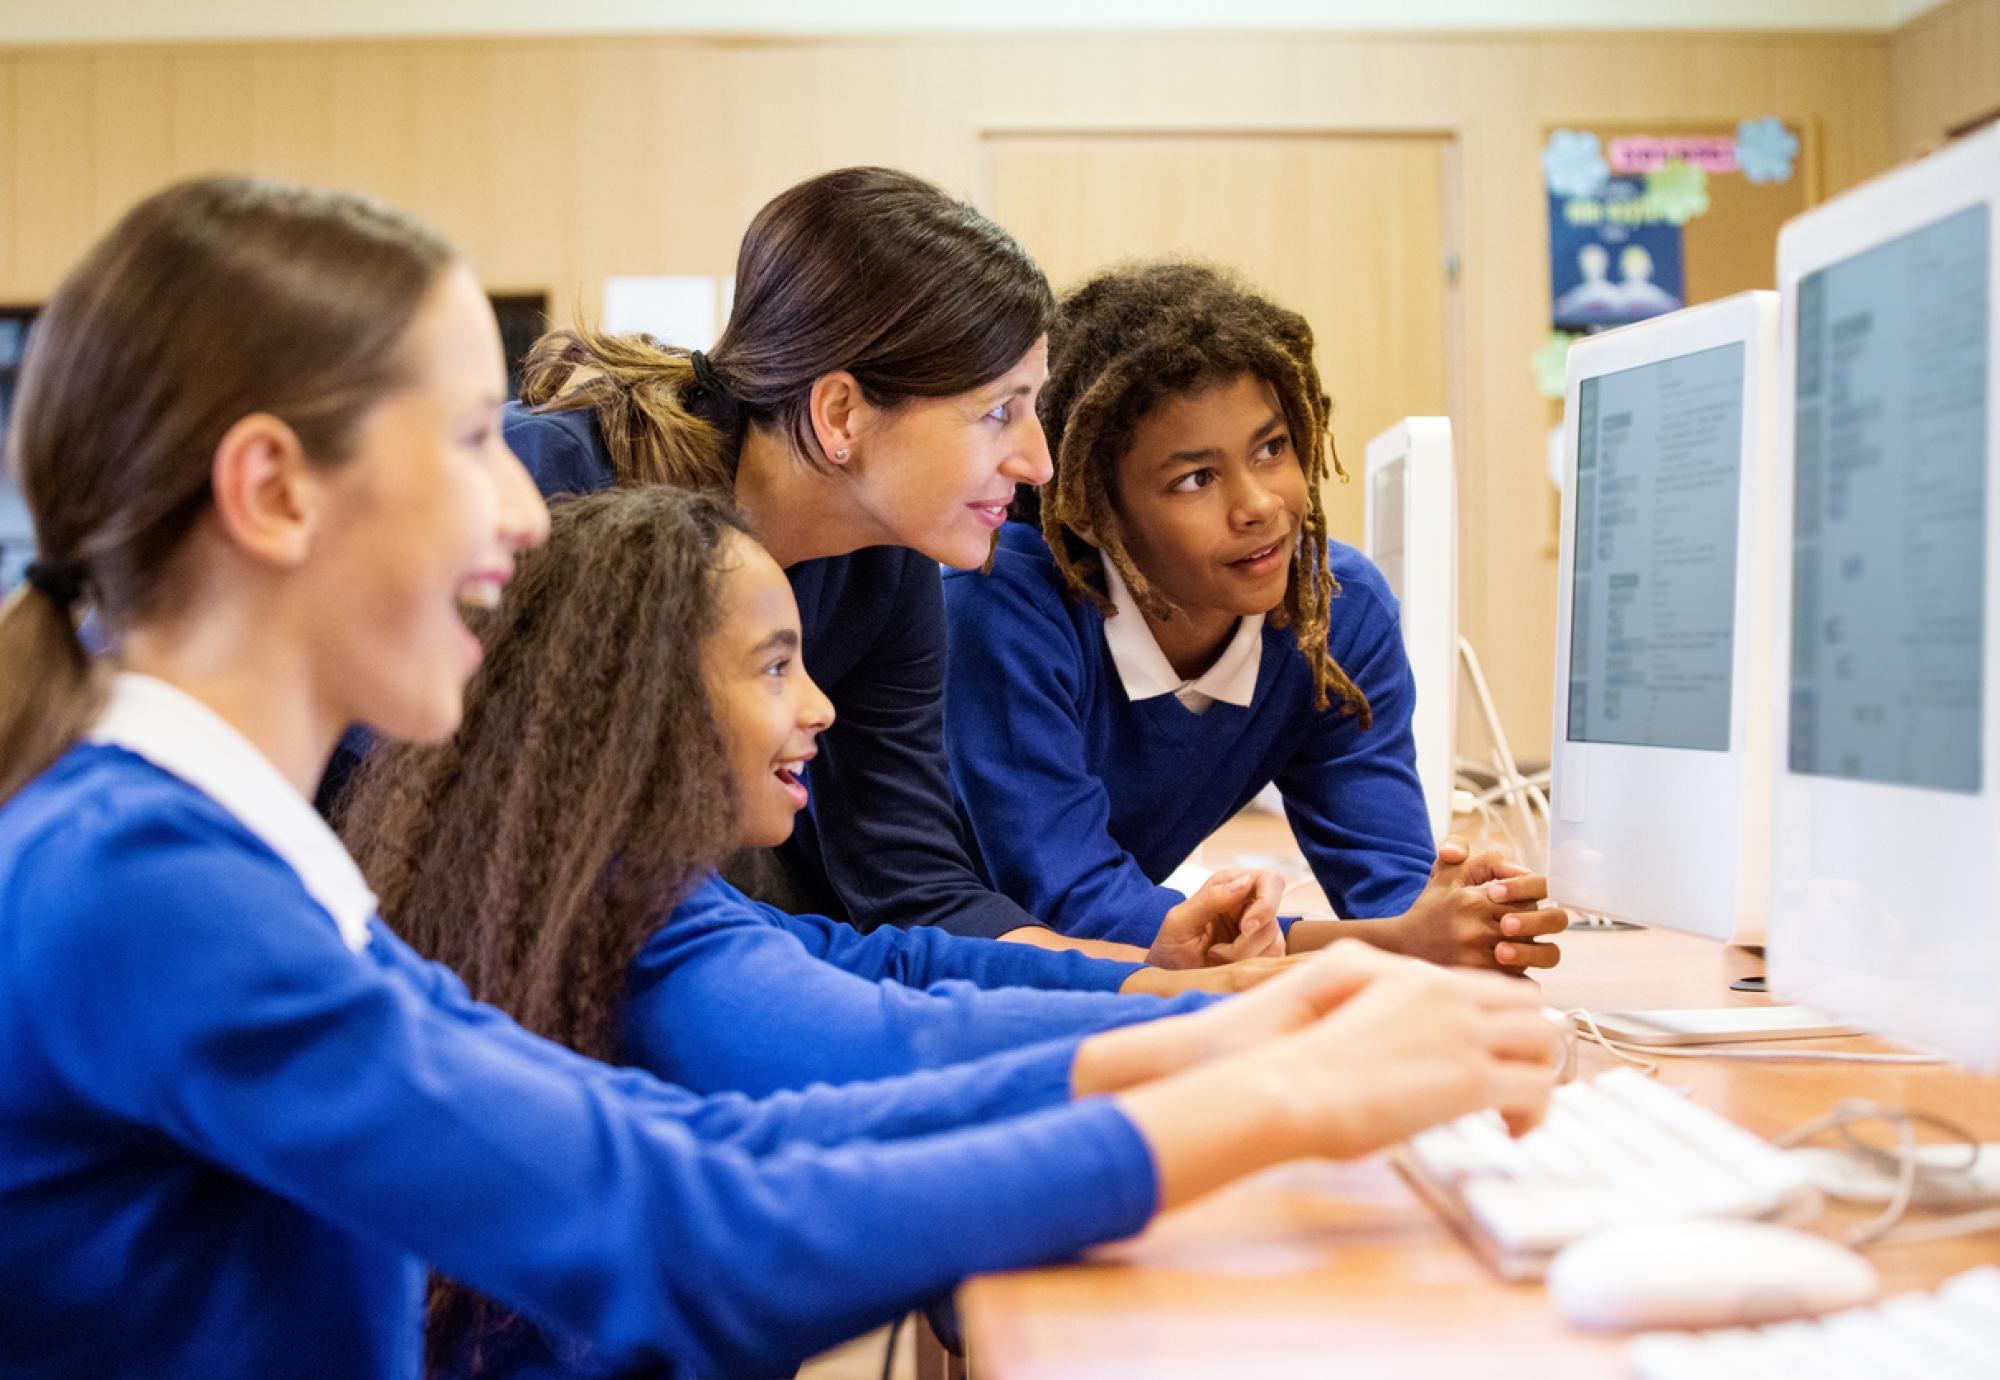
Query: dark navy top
231, 1141
873, 623
1081, 800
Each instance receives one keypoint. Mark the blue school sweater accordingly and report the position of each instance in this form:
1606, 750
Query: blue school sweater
734, 995
873, 623
239, 1118
1080, 800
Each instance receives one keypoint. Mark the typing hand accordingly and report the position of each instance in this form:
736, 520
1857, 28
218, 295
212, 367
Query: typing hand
1222, 980
1233, 916
1416, 1046
1296, 992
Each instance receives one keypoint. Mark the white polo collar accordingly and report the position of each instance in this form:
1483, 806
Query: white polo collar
179, 734
1145, 672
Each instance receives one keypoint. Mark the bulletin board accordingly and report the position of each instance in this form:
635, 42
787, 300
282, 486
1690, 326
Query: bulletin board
1646, 217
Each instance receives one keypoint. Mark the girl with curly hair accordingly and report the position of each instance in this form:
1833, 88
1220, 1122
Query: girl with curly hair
642, 708
1182, 632
241, 1116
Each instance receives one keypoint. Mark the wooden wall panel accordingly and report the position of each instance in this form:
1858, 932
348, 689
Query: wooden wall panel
133, 133
373, 118
10, 180
452, 155
292, 121
558, 162
1944, 69
212, 110
55, 157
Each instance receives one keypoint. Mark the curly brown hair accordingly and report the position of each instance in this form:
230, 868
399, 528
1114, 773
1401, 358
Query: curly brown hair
1132, 337
585, 794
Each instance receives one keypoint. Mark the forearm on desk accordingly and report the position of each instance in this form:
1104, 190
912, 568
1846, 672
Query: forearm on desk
1044, 938
1306, 935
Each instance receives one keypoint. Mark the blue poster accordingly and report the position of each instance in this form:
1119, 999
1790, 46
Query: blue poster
1614, 257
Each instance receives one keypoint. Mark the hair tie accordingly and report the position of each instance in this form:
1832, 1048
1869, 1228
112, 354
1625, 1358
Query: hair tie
61, 585
705, 379
723, 411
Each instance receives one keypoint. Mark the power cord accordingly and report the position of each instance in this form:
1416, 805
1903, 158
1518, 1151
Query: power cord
1881, 1230
889, 1356
1526, 799
1642, 1056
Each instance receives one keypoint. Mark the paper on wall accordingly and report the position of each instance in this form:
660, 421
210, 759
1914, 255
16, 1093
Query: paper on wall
675, 309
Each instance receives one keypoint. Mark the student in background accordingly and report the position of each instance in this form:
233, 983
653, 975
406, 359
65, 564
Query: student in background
240, 1115
870, 407
1182, 632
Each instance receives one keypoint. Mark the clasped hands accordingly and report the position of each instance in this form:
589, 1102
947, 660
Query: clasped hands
1478, 910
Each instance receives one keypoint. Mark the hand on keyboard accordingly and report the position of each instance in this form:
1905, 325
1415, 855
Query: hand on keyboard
1416, 1046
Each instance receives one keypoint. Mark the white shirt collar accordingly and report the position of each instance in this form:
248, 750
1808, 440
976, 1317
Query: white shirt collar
179, 734
1145, 672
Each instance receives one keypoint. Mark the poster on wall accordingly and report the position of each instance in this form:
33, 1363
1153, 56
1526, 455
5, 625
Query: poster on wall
1626, 211
1613, 258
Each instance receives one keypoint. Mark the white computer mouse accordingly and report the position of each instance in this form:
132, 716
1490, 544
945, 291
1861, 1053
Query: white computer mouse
1699, 1274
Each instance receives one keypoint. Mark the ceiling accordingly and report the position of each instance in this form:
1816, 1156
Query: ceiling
124, 21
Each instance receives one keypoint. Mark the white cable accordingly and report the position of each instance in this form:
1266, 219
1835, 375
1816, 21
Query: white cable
1492, 794
1882, 1229
1519, 796
1642, 1056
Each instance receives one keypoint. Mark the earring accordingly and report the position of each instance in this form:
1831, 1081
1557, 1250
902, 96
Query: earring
840, 454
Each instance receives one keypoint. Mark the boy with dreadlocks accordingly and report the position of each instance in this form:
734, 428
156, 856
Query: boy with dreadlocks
1182, 632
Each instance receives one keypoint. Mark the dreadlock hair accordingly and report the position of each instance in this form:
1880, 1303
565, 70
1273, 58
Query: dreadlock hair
586, 792
869, 270
1124, 342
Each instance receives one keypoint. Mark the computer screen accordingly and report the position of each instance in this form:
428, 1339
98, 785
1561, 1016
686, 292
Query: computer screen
1887, 803
17, 530
1385, 522
1888, 603
1666, 616
1412, 536
1653, 621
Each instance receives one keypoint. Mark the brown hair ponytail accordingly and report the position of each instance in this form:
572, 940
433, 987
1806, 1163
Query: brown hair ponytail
644, 396
869, 270
49, 693
206, 302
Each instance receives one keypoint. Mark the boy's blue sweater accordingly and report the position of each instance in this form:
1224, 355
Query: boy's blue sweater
1080, 801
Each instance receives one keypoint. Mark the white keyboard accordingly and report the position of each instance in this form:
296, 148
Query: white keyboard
1617, 1149
1952, 1333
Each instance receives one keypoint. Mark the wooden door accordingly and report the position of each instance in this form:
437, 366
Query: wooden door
1349, 230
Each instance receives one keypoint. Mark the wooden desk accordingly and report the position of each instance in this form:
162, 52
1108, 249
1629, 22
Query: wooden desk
1322, 1268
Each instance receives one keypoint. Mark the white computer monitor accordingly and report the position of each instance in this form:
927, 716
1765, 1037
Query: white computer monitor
1887, 805
1660, 804
1411, 521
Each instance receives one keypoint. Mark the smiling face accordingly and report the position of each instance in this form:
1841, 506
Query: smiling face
937, 474
424, 515
1212, 495
767, 709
